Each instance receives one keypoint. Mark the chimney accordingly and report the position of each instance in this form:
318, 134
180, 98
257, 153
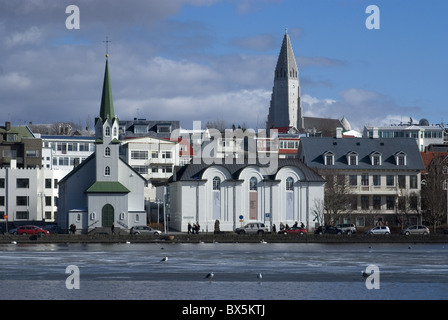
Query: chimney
8, 125
338, 133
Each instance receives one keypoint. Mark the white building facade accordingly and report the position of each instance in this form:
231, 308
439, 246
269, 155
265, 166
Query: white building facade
235, 194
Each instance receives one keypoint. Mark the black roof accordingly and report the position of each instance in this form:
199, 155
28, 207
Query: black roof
193, 171
312, 150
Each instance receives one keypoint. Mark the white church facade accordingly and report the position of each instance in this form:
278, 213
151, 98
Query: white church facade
236, 194
103, 190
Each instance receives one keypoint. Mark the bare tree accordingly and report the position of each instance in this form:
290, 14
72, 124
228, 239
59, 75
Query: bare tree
434, 196
337, 197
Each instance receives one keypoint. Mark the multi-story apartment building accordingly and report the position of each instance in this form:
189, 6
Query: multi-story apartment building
423, 133
18, 145
63, 152
153, 158
29, 194
380, 179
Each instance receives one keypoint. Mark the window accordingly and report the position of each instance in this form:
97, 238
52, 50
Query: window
413, 182
375, 158
253, 184
2, 183
364, 202
107, 152
365, 180
400, 158
22, 200
216, 183
329, 158
390, 180
107, 132
376, 180
139, 155
402, 181
390, 203
377, 202
166, 154
22, 183
47, 183
154, 155
352, 158
289, 184
353, 180
107, 171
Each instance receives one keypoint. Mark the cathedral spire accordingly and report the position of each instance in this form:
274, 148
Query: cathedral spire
286, 63
107, 104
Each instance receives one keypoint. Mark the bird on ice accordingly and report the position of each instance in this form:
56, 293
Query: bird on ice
164, 259
365, 274
259, 276
210, 276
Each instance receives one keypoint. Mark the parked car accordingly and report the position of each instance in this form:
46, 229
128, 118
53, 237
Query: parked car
52, 228
347, 228
379, 230
253, 227
328, 229
293, 230
31, 230
416, 229
137, 230
12, 231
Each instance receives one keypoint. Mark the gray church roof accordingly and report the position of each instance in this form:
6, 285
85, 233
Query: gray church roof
194, 171
312, 152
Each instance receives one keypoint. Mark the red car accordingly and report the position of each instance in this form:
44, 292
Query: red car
31, 230
293, 230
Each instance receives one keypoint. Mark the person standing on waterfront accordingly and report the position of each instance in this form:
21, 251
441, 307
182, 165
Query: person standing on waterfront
112, 228
189, 227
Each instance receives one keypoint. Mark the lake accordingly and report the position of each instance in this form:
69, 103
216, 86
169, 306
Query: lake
290, 271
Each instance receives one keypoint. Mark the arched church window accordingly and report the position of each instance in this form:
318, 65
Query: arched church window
289, 184
115, 131
107, 171
107, 152
216, 183
107, 132
253, 184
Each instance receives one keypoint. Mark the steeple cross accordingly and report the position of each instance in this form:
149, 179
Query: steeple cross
107, 46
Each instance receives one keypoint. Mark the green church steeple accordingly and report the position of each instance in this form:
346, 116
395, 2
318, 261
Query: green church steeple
107, 104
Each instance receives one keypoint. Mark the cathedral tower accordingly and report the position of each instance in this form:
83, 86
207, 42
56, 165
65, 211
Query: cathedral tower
285, 109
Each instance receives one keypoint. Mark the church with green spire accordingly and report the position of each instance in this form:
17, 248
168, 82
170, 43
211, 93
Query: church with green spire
103, 190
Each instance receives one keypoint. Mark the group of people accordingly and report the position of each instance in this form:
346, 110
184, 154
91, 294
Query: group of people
193, 229
287, 227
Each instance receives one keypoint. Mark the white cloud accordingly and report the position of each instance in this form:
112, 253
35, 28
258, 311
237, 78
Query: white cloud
32, 35
360, 107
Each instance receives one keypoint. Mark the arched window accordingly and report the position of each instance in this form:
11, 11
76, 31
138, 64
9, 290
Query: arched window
107, 132
289, 184
107, 171
107, 152
216, 183
253, 184
115, 131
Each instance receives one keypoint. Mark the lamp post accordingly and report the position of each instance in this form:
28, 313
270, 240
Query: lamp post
158, 201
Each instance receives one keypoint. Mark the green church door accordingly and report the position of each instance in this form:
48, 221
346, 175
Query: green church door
107, 215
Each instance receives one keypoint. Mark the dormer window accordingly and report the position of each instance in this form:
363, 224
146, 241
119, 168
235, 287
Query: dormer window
352, 158
375, 158
329, 158
400, 158
107, 132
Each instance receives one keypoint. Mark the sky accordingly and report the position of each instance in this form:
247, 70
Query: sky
214, 60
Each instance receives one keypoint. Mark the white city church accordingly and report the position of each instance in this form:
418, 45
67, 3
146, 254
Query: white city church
103, 190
